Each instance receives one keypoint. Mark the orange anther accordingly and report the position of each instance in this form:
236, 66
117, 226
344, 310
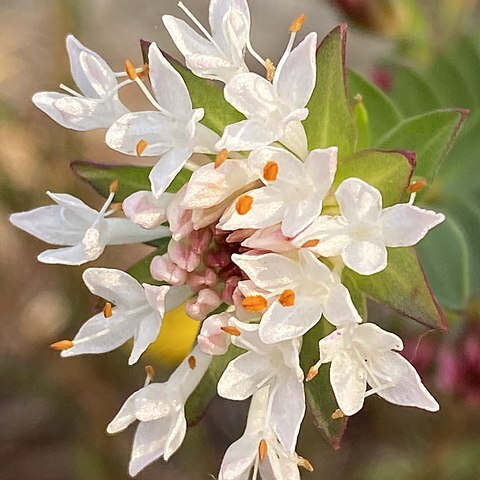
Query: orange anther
262, 450
287, 298
150, 372
312, 373
270, 171
141, 146
62, 345
234, 331
107, 310
222, 155
113, 188
244, 204
297, 24
311, 243
192, 362
416, 186
337, 414
145, 71
304, 463
130, 70
270, 68
255, 303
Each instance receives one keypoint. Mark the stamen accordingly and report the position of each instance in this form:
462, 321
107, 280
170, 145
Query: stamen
113, 188
234, 331
311, 243
116, 207
70, 91
254, 54
304, 463
287, 298
313, 372
337, 414
150, 372
144, 71
141, 146
270, 171
297, 24
244, 204
416, 186
62, 345
255, 303
270, 68
222, 155
107, 310
130, 70
262, 450
192, 362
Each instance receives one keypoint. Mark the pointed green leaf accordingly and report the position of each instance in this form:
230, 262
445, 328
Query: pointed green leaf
444, 255
130, 179
403, 287
430, 136
319, 395
389, 171
382, 113
330, 121
362, 123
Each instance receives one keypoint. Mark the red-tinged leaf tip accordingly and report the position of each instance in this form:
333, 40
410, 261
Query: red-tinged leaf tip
145, 45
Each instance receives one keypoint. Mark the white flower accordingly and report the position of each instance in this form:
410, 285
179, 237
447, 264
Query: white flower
138, 313
146, 210
83, 231
172, 132
98, 107
302, 292
362, 230
362, 354
274, 365
218, 56
160, 408
293, 193
275, 110
214, 338
258, 441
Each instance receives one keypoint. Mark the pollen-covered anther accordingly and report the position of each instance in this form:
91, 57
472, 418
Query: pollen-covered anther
416, 186
337, 414
297, 24
107, 310
287, 298
234, 331
311, 243
144, 72
61, 345
130, 70
304, 463
222, 155
255, 303
150, 372
244, 204
270, 171
113, 188
141, 146
312, 373
192, 362
270, 70
262, 450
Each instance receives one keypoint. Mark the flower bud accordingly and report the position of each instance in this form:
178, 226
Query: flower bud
207, 300
212, 340
165, 270
142, 209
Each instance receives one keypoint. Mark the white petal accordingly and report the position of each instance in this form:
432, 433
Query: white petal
270, 238
152, 127
300, 214
374, 338
331, 345
211, 67
234, 12
314, 270
269, 271
167, 84
359, 201
289, 166
292, 133
239, 458
404, 225
288, 410
339, 308
167, 168
204, 139
122, 231
349, 383
100, 334
246, 135
365, 257
296, 80
76, 255
145, 210
146, 333
176, 436
242, 376
408, 389
321, 166
115, 286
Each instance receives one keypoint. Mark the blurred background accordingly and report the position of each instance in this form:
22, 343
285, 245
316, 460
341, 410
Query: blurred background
53, 413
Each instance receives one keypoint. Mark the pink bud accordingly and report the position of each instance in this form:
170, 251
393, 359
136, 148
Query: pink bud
207, 300
200, 239
197, 280
179, 219
183, 256
165, 270
230, 286
143, 209
218, 259
212, 340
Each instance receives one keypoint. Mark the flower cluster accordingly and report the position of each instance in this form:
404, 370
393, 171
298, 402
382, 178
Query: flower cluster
259, 237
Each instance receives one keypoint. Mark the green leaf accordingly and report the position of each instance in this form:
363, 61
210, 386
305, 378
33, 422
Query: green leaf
389, 171
130, 179
205, 94
382, 113
206, 390
330, 121
403, 287
319, 395
445, 258
430, 136
411, 92
362, 122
